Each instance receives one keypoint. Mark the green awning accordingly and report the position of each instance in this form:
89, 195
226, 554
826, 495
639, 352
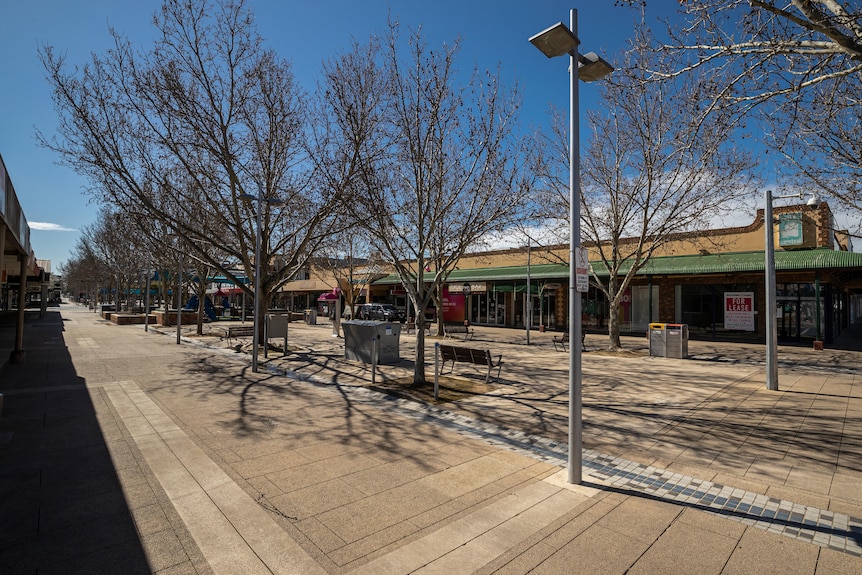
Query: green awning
740, 262
225, 280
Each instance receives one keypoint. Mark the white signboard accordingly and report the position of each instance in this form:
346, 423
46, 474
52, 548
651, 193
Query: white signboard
582, 270
739, 310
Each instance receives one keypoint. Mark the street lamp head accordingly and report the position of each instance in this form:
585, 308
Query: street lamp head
592, 67
813, 201
555, 41
246, 197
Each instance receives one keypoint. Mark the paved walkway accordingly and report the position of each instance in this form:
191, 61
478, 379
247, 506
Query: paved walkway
121, 451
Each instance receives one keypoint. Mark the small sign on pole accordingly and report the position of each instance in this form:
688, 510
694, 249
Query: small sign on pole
582, 270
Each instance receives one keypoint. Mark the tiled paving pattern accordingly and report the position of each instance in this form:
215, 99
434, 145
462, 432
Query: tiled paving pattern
809, 524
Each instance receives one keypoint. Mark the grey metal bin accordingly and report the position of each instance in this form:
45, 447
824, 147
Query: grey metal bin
360, 334
310, 316
677, 340
658, 339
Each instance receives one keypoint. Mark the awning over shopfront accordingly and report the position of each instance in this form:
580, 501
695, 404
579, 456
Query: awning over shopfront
330, 296
537, 272
226, 280
307, 286
785, 260
224, 291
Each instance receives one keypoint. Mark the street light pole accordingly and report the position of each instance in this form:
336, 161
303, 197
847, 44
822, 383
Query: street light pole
771, 324
147, 301
256, 320
528, 301
557, 41
770, 286
179, 295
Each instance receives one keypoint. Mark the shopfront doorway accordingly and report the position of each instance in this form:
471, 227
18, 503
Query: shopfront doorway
488, 308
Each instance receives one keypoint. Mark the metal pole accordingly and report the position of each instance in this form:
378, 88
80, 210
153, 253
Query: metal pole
256, 337
436, 371
375, 346
147, 301
180, 297
575, 440
771, 324
528, 302
336, 317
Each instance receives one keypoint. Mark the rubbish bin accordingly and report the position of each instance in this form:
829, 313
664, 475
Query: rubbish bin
676, 340
310, 316
658, 340
359, 336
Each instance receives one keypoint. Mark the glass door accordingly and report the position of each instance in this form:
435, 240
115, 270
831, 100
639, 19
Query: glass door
788, 319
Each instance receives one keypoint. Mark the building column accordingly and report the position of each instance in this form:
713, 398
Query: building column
18, 355
2, 258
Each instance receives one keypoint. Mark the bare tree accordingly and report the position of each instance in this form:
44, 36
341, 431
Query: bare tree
84, 273
796, 67
819, 142
657, 166
114, 243
439, 162
204, 118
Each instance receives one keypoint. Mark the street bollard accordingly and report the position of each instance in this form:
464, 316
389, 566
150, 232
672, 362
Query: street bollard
374, 343
436, 370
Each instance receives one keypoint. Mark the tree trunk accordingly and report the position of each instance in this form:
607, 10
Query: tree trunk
438, 305
163, 290
614, 328
419, 364
263, 302
202, 294
613, 315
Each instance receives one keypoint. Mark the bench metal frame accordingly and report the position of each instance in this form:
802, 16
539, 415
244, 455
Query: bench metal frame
564, 339
470, 355
449, 330
239, 331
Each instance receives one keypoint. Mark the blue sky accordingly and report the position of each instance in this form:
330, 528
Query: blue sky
305, 32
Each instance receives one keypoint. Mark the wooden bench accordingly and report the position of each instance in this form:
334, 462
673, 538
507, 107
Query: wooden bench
469, 355
450, 329
239, 331
563, 340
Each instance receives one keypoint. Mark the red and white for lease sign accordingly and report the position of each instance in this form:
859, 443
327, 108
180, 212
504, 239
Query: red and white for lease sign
739, 310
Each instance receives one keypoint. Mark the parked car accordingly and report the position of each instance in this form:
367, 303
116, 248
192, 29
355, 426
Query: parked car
380, 311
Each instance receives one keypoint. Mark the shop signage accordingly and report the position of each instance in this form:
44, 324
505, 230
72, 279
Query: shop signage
790, 230
466, 288
739, 310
